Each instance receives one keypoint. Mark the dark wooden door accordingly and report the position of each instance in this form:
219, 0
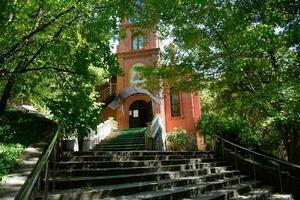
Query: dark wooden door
138, 114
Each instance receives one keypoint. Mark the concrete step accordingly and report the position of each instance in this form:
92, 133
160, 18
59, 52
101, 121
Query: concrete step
139, 170
228, 192
110, 164
83, 182
180, 192
255, 194
131, 188
136, 153
134, 145
131, 174
121, 141
280, 197
133, 157
125, 137
120, 148
132, 134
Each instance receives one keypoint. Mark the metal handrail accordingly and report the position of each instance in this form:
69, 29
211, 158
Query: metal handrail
31, 182
253, 154
108, 91
258, 154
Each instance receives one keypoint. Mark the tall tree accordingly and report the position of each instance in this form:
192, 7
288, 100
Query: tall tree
246, 51
40, 35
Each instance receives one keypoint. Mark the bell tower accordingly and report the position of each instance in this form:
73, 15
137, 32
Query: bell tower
134, 106
139, 48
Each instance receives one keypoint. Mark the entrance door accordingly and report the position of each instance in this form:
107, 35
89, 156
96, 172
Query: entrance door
139, 114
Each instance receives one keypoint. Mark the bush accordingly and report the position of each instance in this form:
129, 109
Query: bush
180, 140
233, 128
9, 154
19, 130
17, 127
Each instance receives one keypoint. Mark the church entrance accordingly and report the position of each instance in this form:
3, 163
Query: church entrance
140, 112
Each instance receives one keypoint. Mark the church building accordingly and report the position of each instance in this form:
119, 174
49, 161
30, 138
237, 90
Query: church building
132, 106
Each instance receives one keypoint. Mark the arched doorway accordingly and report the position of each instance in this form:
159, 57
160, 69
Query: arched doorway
140, 112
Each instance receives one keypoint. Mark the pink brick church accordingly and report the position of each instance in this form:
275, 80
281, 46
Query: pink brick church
133, 106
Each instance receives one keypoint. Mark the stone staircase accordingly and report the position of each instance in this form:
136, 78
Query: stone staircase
119, 168
125, 140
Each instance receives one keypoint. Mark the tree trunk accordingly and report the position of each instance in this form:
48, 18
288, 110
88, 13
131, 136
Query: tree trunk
291, 140
294, 149
7, 93
80, 144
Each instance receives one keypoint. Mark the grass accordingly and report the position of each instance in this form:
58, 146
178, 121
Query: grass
19, 130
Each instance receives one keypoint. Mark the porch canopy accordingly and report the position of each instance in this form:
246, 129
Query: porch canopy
130, 91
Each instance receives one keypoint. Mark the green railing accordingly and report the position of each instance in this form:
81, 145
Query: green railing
38, 180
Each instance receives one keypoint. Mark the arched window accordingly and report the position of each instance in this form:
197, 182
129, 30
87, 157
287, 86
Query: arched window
175, 103
138, 41
136, 78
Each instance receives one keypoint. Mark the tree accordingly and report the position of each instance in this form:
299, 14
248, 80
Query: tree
247, 52
76, 107
40, 35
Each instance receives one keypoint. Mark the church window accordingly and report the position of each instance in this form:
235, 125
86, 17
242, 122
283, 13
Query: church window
138, 41
175, 104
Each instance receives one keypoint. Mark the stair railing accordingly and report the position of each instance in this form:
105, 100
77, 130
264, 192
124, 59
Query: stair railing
108, 91
103, 130
225, 148
41, 170
155, 138
106, 128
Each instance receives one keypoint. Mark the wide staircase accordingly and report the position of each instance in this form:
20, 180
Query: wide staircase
120, 168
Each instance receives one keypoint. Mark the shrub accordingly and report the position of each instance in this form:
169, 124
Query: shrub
9, 154
17, 127
232, 127
19, 130
179, 140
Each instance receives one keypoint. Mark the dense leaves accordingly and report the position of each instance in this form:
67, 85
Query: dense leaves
181, 140
76, 108
247, 54
18, 130
9, 154
44, 39
17, 127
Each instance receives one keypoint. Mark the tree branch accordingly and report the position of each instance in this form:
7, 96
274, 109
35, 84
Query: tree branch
223, 42
15, 48
46, 68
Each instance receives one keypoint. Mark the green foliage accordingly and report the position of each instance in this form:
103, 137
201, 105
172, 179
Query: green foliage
76, 107
232, 127
42, 42
181, 140
246, 53
17, 127
19, 130
9, 154
178, 136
